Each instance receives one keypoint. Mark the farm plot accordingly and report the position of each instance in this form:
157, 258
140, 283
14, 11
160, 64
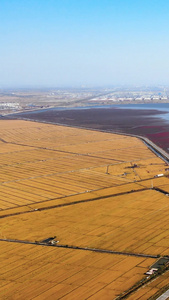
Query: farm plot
47, 162
44, 134
37, 272
94, 147
154, 288
55, 137
30, 175
136, 223
161, 183
47, 203
10, 148
95, 190
54, 186
134, 171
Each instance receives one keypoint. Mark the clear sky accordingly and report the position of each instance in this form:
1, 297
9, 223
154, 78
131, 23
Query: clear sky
53, 43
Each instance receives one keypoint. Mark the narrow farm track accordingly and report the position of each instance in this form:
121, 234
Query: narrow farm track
67, 204
80, 248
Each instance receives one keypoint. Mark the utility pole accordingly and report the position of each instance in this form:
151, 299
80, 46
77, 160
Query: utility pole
152, 184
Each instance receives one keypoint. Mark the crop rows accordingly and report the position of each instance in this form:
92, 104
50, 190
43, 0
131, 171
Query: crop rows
37, 272
13, 131
109, 145
45, 188
29, 175
133, 224
152, 288
108, 181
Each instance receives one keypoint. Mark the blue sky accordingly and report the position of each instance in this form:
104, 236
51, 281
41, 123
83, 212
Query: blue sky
52, 43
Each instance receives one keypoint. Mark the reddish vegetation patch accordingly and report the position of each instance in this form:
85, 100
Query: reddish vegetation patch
162, 135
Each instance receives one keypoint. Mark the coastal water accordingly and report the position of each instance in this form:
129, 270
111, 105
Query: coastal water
160, 107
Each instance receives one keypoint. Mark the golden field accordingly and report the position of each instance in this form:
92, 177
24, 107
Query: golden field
43, 162
89, 189
152, 290
39, 272
137, 223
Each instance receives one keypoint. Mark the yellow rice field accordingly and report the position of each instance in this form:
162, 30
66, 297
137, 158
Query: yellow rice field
41, 162
153, 288
137, 224
39, 272
89, 189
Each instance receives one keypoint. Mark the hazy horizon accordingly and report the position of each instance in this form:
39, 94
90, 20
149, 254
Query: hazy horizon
72, 43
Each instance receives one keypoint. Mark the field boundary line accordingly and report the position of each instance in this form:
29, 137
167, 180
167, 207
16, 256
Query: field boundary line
80, 248
67, 204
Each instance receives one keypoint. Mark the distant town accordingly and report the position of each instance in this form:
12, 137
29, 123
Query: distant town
17, 100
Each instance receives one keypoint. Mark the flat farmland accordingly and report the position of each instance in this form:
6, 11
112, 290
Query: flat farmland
153, 289
44, 162
116, 223
90, 190
38, 272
